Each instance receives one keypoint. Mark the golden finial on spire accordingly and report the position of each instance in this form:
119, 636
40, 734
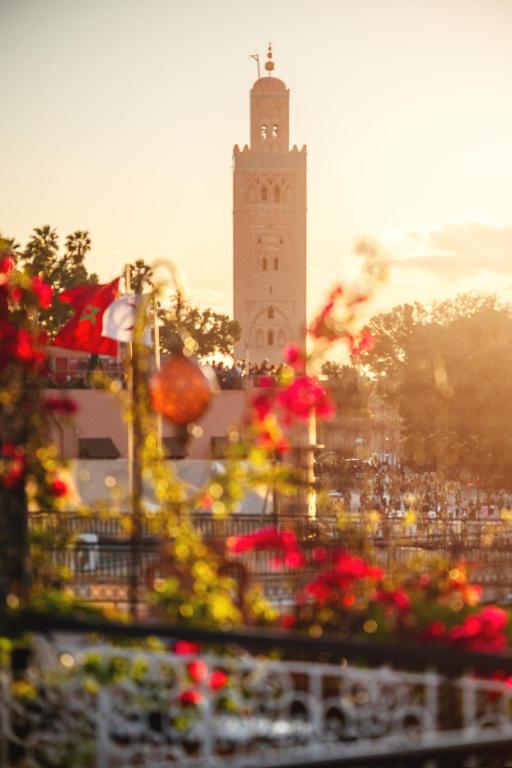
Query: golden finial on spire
269, 65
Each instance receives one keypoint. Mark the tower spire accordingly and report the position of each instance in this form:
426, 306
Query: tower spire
269, 64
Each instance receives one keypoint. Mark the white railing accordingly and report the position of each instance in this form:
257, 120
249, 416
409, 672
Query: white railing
114, 707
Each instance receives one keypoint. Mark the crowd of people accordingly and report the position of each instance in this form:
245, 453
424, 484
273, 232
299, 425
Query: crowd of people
81, 374
394, 489
234, 376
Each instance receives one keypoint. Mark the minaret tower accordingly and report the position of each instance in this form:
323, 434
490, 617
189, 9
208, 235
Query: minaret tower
269, 227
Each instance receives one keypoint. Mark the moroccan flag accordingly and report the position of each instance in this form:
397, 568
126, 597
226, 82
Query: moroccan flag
84, 331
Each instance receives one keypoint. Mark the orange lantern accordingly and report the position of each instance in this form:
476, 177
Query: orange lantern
180, 391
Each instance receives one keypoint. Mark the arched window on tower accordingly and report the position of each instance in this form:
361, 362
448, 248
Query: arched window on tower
264, 264
264, 194
276, 264
275, 131
270, 338
270, 313
263, 132
277, 195
259, 338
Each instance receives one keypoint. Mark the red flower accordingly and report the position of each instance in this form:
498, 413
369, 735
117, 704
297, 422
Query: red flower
21, 345
15, 293
319, 591
322, 327
288, 621
262, 405
6, 264
185, 648
483, 631
349, 567
42, 291
302, 398
319, 555
293, 355
190, 697
58, 488
434, 631
265, 382
14, 473
272, 442
266, 538
198, 670
292, 558
397, 598
218, 680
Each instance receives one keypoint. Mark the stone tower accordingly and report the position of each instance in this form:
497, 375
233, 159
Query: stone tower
269, 228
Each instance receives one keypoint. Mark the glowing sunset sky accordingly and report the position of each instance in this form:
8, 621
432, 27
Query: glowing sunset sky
119, 116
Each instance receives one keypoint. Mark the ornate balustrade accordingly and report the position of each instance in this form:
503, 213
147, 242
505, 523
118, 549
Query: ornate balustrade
79, 704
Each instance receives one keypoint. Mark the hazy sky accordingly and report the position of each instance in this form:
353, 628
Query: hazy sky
119, 116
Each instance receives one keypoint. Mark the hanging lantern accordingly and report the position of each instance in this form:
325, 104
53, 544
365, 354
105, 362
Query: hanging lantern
180, 391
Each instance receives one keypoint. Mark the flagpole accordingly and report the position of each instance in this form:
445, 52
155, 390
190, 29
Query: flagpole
156, 341
133, 491
127, 286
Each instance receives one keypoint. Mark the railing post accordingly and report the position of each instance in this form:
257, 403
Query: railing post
102, 740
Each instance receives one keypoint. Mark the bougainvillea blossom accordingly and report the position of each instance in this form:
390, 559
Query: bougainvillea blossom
303, 398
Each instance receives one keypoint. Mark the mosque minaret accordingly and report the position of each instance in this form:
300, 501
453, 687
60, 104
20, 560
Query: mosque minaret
269, 227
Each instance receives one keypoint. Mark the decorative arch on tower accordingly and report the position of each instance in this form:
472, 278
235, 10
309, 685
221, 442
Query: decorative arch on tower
270, 331
270, 189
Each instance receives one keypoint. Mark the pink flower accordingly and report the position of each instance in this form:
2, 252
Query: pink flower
293, 355
322, 325
302, 398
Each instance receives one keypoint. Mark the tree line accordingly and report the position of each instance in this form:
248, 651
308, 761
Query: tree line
65, 267
447, 369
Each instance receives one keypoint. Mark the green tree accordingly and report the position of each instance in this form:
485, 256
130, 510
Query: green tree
349, 387
60, 269
446, 369
213, 332
141, 276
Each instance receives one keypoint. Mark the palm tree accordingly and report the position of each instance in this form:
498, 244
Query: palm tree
78, 245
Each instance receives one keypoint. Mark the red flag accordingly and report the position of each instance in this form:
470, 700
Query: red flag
83, 331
